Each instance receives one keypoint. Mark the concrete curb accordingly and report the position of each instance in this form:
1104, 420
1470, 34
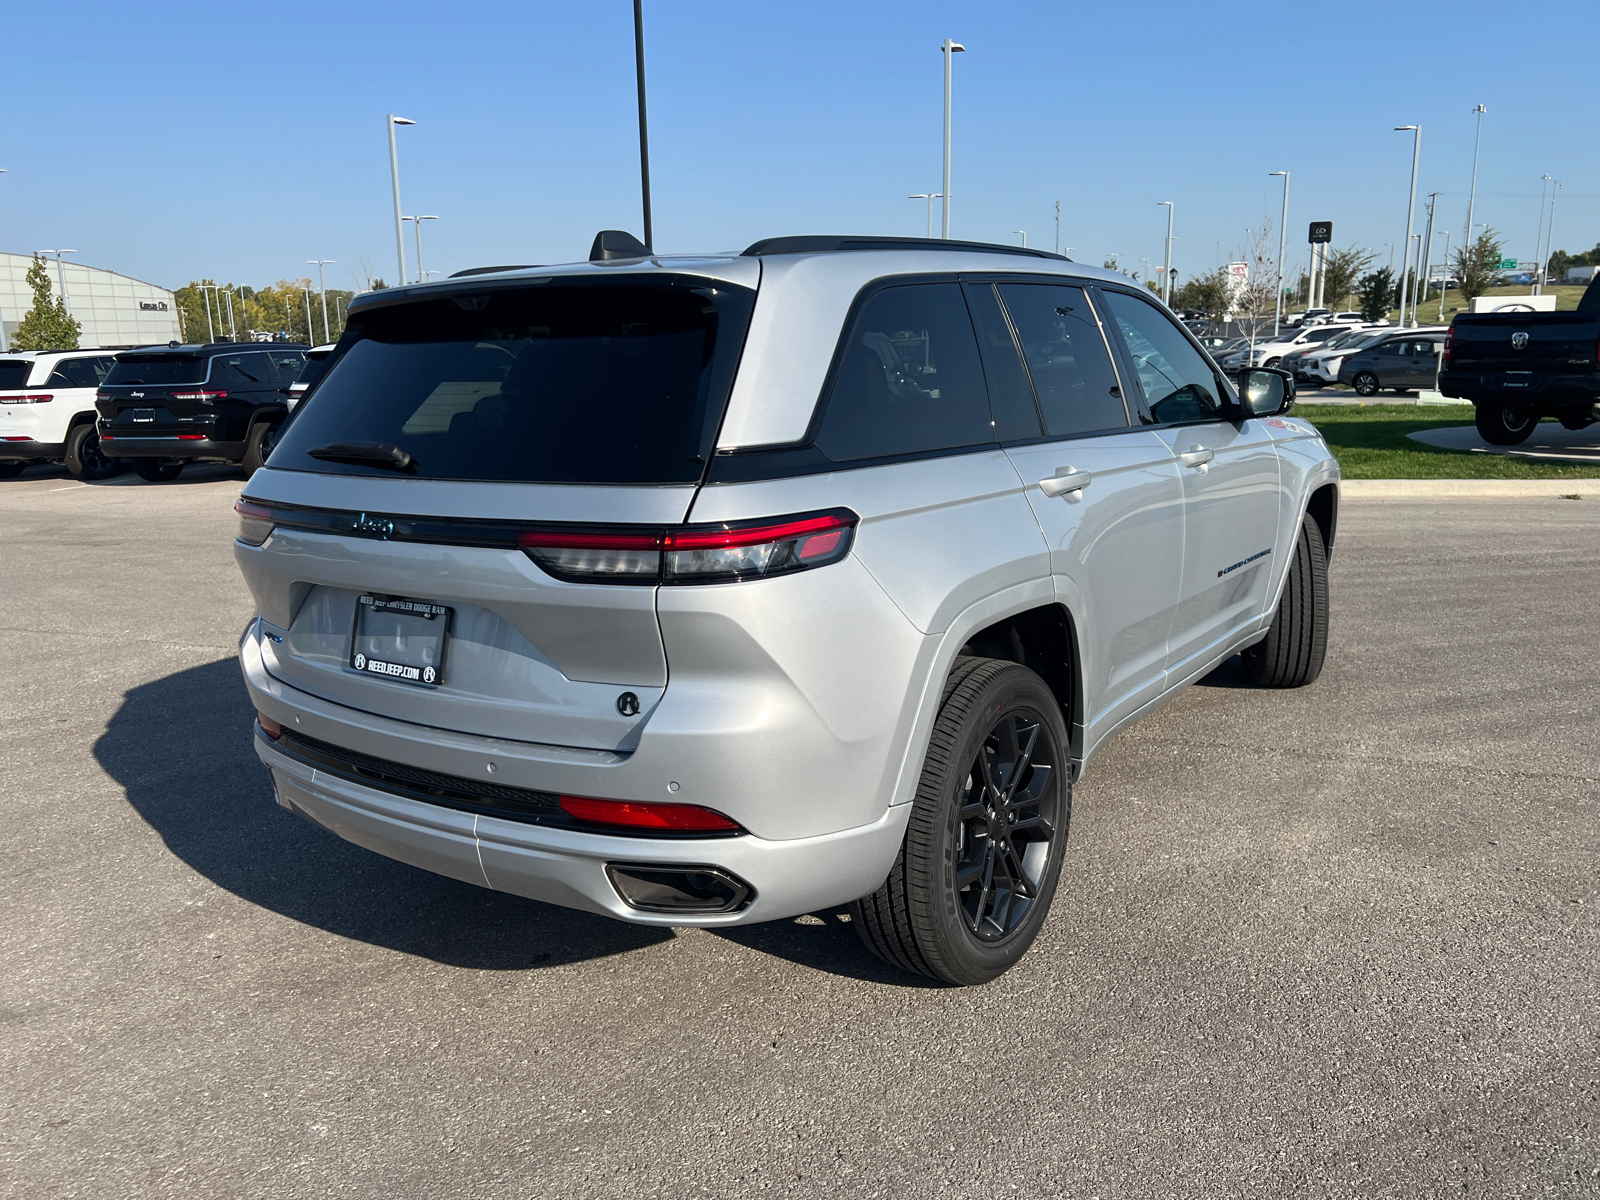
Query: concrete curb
1466, 489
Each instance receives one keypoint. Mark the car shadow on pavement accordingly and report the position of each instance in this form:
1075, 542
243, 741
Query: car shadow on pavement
181, 748
823, 941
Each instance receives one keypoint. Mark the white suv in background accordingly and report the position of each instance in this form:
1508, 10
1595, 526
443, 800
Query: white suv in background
47, 411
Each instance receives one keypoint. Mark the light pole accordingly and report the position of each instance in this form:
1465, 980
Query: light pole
310, 337
1445, 282
950, 49
1472, 194
930, 197
394, 177
5, 342
1538, 240
233, 330
1166, 270
1425, 253
416, 224
61, 275
1283, 230
211, 331
1391, 256
1411, 211
1549, 235
322, 287
644, 125
1024, 234
1058, 227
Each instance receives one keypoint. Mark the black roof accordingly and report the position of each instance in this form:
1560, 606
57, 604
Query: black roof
821, 243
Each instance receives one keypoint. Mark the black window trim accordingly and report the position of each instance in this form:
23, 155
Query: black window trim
1231, 413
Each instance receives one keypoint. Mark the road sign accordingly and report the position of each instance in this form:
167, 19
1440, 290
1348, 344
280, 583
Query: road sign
1507, 264
1321, 231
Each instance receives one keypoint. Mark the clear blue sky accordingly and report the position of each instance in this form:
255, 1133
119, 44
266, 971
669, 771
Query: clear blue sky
236, 141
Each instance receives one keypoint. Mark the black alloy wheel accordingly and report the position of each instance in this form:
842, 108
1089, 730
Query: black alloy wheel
1505, 422
84, 458
157, 470
1365, 384
973, 882
258, 445
1006, 827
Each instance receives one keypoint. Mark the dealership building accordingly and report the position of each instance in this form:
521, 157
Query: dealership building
114, 310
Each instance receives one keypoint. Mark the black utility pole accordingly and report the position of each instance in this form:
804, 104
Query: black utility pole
644, 125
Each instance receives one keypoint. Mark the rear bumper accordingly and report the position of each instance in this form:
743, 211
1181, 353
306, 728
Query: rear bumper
119, 445
568, 867
30, 449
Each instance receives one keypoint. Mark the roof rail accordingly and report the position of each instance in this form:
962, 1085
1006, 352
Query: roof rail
822, 243
492, 270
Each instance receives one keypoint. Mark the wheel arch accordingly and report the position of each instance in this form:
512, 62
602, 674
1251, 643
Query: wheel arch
1323, 508
1044, 639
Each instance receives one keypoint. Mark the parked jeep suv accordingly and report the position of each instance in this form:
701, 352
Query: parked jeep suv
47, 411
165, 407
707, 591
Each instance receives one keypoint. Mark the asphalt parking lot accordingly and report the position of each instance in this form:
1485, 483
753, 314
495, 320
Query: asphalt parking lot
1336, 942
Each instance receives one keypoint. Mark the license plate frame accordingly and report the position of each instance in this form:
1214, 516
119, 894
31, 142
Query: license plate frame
142, 416
400, 620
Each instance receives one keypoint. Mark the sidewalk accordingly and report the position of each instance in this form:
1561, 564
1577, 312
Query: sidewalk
1468, 489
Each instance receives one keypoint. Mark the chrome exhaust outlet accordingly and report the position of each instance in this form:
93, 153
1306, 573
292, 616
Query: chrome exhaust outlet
700, 891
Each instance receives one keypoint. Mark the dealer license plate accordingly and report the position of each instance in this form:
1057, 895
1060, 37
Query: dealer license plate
400, 639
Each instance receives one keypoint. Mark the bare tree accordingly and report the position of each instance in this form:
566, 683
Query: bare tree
364, 272
1255, 299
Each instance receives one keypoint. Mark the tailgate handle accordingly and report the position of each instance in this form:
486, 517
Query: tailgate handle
1065, 480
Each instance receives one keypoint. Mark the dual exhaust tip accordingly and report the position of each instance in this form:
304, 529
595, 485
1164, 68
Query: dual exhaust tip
696, 891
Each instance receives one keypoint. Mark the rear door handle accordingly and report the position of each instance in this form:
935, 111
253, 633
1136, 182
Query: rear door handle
1065, 480
1197, 456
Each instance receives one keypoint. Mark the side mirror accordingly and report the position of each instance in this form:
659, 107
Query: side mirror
1265, 391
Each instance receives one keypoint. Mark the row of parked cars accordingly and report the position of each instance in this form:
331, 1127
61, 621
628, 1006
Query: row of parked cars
1366, 357
157, 408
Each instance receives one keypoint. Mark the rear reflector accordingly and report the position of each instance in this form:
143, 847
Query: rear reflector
688, 554
16, 439
268, 726
255, 522
630, 814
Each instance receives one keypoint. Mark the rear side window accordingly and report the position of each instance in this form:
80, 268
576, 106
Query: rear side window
909, 379
78, 373
1178, 383
157, 370
1067, 358
583, 382
286, 365
313, 369
14, 373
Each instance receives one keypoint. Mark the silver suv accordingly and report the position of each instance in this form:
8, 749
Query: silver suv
714, 590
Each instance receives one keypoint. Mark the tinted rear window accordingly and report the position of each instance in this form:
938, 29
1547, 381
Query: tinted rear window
593, 382
157, 369
14, 373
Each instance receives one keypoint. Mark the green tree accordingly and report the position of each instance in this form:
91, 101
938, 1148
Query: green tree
47, 325
1475, 265
1376, 290
1207, 293
1340, 271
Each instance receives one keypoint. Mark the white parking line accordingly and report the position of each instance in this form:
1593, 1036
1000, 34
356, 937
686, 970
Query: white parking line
70, 487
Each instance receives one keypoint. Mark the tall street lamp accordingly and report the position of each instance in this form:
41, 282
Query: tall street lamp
1411, 212
233, 330
950, 49
1166, 269
61, 276
644, 125
1283, 230
416, 224
211, 331
1024, 234
930, 197
1058, 227
1538, 240
394, 177
310, 337
1472, 194
322, 287
1549, 236
1444, 283
4, 341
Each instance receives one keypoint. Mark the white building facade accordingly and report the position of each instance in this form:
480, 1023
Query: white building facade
114, 310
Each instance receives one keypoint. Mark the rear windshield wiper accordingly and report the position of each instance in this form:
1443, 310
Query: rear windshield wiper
367, 454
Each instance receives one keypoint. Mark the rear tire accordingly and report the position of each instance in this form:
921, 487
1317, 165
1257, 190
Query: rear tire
258, 445
1502, 423
1365, 384
1297, 641
11, 468
84, 458
976, 873
155, 470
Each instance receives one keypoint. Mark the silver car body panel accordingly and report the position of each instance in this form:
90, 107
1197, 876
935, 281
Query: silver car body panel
800, 705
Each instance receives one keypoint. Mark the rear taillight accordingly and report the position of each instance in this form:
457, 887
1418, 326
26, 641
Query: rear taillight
1449, 345
40, 398
255, 522
688, 554
203, 397
631, 814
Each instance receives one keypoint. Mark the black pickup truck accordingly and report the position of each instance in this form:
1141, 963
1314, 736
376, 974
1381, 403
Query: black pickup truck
1517, 368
